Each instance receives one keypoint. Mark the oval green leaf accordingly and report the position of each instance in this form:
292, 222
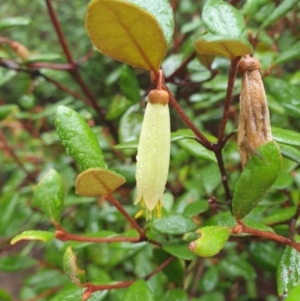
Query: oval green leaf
279, 12
139, 290
286, 136
211, 241
98, 181
221, 18
288, 272
78, 139
117, 29
256, 179
174, 224
180, 251
294, 294
229, 47
44, 236
49, 195
14, 21
76, 275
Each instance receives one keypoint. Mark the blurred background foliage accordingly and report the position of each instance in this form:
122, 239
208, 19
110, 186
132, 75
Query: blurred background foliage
246, 268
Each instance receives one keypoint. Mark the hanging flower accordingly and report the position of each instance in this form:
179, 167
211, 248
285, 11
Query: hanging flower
254, 127
153, 153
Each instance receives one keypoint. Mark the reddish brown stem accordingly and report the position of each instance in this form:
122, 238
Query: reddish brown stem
186, 119
62, 235
230, 86
132, 221
93, 288
45, 294
242, 228
60, 34
181, 67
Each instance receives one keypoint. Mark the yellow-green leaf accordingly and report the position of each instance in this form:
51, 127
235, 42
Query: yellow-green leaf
127, 32
98, 181
44, 236
229, 47
76, 275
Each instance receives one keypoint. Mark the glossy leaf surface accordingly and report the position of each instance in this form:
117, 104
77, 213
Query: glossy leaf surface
181, 251
139, 290
257, 177
49, 195
216, 45
14, 21
221, 18
212, 240
288, 272
78, 139
98, 181
286, 136
117, 29
174, 224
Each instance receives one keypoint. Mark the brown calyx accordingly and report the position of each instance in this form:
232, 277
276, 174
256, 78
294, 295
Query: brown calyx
248, 64
158, 96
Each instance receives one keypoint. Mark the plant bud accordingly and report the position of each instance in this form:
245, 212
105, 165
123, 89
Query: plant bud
153, 153
254, 127
21, 51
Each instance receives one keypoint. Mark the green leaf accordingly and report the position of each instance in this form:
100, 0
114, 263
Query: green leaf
229, 47
174, 270
4, 296
180, 251
281, 10
253, 6
15, 263
212, 240
46, 57
221, 18
196, 208
75, 294
294, 294
117, 29
197, 150
288, 272
27, 101
256, 179
49, 195
265, 254
44, 236
174, 224
176, 294
289, 55
6, 110
139, 290
78, 139
14, 21
76, 275
280, 215
117, 107
98, 181
290, 153
210, 279
128, 84
286, 136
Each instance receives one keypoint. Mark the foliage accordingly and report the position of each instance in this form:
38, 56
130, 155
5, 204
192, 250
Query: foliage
71, 118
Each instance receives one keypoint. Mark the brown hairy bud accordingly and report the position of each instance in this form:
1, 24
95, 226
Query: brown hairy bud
254, 127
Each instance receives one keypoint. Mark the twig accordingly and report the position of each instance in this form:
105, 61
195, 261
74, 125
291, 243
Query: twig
181, 67
93, 288
242, 228
45, 294
132, 221
230, 86
202, 139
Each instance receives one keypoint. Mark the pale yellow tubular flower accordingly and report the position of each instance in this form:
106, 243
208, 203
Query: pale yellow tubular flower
153, 153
